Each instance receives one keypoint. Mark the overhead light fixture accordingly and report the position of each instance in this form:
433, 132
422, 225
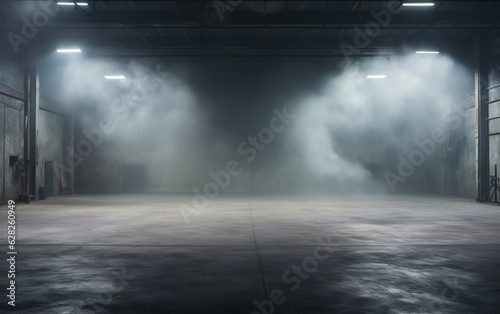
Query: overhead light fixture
69, 50
115, 77
73, 3
376, 76
418, 4
428, 52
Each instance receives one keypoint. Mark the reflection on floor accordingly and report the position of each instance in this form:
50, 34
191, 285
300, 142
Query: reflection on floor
255, 254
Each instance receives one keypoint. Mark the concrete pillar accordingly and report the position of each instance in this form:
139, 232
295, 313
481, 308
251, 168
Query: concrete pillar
34, 103
481, 101
25, 191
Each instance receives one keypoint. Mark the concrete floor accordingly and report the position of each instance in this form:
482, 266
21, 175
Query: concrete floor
137, 254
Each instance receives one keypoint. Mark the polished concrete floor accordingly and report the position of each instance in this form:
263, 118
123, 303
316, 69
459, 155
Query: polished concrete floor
254, 254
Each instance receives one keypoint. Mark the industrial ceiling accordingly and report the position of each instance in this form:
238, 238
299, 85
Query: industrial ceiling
253, 28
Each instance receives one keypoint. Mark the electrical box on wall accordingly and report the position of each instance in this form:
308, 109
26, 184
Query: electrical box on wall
12, 160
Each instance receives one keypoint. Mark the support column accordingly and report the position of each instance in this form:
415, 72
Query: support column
25, 191
31, 104
69, 142
34, 95
481, 100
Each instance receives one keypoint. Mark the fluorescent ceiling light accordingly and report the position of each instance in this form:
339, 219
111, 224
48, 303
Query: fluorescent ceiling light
70, 50
72, 3
376, 76
418, 4
115, 77
429, 52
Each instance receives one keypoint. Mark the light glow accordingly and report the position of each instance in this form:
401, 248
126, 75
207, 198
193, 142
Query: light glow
69, 50
376, 76
115, 77
428, 52
72, 3
418, 4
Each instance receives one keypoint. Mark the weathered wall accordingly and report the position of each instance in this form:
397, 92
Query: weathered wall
49, 133
494, 112
13, 147
466, 167
169, 168
11, 122
50, 139
180, 156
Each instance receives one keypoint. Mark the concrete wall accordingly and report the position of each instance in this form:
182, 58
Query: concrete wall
13, 147
178, 161
466, 168
180, 170
494, 111
50, 144
11, 122
50, 129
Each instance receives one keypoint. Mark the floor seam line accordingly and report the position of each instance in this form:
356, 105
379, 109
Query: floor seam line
257, 250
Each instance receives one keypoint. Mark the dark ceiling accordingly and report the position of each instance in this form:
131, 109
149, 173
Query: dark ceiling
255, 28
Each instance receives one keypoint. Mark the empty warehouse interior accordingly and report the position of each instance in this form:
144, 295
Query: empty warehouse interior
250, 156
